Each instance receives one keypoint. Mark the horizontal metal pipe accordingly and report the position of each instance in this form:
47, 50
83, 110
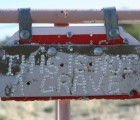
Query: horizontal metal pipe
69, 16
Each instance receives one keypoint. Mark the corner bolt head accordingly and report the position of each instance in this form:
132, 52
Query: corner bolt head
125, 41
51, 51
114, 33
24, 34
98, 51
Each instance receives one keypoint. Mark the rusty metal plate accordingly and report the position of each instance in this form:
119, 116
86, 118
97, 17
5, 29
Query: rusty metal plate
52, 71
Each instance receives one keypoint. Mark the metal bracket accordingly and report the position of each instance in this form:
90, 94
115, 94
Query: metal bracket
25, 23
111, 23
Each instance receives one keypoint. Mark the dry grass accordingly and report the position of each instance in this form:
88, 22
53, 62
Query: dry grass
80, 110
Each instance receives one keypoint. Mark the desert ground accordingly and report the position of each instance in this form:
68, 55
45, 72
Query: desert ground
80, 110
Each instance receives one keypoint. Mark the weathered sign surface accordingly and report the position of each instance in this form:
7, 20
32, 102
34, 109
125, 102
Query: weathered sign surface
58, 71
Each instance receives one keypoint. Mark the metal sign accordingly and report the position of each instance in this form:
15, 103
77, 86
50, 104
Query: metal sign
69, 62
69, 71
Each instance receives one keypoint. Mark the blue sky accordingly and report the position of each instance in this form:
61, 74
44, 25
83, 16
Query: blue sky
9, 29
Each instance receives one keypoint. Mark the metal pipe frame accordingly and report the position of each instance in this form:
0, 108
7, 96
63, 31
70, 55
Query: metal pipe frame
69, 16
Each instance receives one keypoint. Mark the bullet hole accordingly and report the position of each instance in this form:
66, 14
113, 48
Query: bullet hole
90, 64
61, 65
28, 83
62, 11
123, 75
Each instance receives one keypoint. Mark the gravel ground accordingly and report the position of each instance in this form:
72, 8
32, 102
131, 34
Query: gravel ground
80, 110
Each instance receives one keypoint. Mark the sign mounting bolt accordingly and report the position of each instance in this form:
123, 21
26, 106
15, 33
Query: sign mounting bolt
51, 51
24, 34
125, 41
69, 34
98, 51
114, 33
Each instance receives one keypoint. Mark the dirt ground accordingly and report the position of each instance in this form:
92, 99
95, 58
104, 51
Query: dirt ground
80, 110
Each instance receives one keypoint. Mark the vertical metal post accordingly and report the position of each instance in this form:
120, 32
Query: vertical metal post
63, 110
62, 106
